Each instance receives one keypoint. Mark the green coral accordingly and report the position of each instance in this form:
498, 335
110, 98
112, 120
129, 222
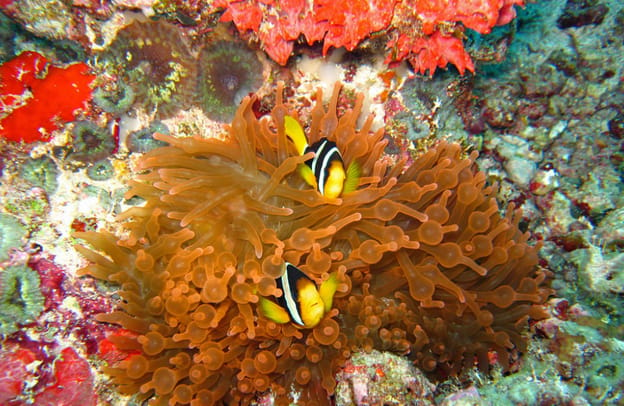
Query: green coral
605, 378
41, 172
228, 72
21, 301
101, 170
117, 100
143, 140
90, 142
11, 234
153, 67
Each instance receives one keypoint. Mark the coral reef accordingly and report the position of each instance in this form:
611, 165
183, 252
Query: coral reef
545, 110
426, 265
381, 378
36, 95
227, 72
151, 65
21, 300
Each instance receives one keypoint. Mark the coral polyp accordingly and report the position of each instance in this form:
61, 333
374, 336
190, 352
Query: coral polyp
152, 59
91, 143
424, 263
228, 72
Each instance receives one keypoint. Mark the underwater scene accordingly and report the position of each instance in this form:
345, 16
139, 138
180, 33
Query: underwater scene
311, 202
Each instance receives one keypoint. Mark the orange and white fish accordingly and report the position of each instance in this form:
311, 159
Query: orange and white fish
301, 302
326, 171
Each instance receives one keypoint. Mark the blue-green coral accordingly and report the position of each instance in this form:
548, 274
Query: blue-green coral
143, 141
21, 301
41, 172
11, 234
228, 71
101, 170
115, 97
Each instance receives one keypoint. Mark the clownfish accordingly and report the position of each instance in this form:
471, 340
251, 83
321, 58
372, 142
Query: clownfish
326, 171
301, 302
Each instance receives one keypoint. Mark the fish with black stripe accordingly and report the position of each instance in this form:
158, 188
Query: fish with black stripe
326, 171
301, 302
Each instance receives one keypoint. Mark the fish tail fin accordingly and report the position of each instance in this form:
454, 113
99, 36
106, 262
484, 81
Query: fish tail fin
294, 131
352, 180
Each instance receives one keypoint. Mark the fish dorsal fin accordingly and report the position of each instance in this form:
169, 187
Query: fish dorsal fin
294, 131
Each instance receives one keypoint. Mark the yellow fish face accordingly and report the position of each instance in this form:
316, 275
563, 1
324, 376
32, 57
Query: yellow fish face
310, 303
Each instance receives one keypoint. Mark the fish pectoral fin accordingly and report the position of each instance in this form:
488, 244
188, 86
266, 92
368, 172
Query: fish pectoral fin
294, 131
327, 291
306, 173
352, 180
273, 311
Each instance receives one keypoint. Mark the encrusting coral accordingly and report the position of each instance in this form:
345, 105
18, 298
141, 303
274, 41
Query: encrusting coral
227, 72
425, 264
153, 65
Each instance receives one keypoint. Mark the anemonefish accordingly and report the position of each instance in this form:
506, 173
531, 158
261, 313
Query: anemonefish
301, 302
326, 171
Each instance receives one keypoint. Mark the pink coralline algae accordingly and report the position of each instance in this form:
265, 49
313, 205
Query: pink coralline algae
35, 96
73, 384
428, 34
15, 372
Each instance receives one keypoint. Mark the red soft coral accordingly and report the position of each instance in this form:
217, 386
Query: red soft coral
428, 53
278, 24
352, 21
427, 33
34, 96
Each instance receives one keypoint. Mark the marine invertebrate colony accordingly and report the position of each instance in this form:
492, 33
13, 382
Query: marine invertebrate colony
425, 265
427, 33
153, 66
21, 300
227, 72
35, 95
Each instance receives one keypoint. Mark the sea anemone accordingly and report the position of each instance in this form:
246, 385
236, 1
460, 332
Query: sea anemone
228, 71
425, 264
101, 170
91, 143
21, 300
143, 141
152, 59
